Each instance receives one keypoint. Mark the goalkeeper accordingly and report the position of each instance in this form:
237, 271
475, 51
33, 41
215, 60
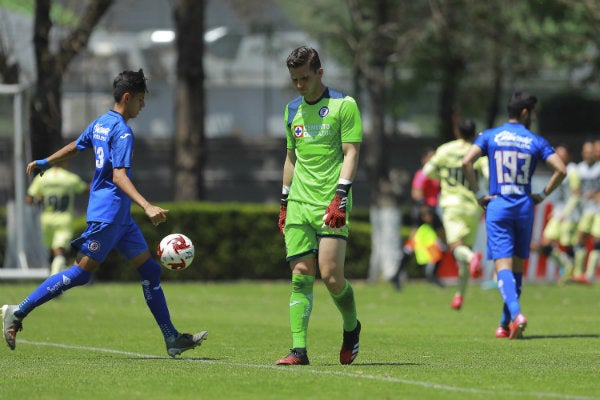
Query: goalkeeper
324, 132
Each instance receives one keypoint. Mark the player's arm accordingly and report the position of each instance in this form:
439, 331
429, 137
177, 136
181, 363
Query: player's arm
468, 165
417, 188
155, 213
335, 214
574, 198
68, 151
560, 172
431, 170
288, 167
350, 165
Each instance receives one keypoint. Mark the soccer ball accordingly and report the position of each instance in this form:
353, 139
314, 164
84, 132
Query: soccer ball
176, 251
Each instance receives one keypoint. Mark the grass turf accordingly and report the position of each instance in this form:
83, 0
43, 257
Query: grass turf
100, 342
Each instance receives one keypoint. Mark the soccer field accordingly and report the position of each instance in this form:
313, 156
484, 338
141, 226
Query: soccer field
100, 342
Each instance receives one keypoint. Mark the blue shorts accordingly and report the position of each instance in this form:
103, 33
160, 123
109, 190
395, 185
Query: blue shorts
100, 238
509, 225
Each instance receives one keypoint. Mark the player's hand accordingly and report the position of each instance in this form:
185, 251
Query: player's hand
335, 215
282, 212
484, 200
38, 165
537, 199
156, 214
282, 215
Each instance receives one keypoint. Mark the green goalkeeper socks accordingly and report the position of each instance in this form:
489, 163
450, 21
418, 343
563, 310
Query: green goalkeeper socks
347, 306
301, 301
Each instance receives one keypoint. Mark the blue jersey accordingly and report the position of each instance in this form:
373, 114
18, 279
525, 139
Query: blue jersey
112, 140
513, 152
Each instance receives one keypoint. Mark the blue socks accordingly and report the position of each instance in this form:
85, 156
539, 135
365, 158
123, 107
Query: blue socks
155, 298
53, 287
509, 285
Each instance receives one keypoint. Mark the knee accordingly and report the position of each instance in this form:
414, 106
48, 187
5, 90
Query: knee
150, 270
334, 284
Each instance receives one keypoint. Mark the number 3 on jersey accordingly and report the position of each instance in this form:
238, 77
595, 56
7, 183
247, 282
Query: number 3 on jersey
512, 167
99, 157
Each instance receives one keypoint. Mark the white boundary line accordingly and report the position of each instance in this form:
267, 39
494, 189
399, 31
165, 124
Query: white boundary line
424, 384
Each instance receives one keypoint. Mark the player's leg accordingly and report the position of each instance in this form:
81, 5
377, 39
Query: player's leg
594, 256
332, 253
53, 286
133, 246
523, 229
461, 227
584, 228
60, 242
301, 246
301, 303
94, 244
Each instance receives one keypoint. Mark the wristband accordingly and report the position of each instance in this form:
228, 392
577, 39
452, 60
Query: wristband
343, 187
285, 190
43, 164
542, 194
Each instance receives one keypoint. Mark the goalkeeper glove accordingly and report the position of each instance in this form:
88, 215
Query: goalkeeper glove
335, 215
283, 208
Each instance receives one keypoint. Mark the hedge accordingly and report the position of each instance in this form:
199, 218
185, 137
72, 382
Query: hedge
233, 241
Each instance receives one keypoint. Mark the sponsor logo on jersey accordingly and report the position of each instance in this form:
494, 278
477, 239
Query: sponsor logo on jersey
324, 111
507, 138
124, 136
100, 132
298, 131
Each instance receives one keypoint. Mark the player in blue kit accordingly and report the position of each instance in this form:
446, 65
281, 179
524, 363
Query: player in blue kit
110, 225
513, 152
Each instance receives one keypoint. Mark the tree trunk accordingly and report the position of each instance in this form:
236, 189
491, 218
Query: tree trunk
190, 151
46, 112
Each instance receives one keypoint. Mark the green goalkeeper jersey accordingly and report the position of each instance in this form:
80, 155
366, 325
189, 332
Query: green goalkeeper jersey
316, 132
446, 165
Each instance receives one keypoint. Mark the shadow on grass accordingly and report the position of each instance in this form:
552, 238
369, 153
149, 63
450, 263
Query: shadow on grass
576, 336
376, 364
176, 358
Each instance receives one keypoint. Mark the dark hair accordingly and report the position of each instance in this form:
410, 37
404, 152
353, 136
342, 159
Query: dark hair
129, 81
518, 101
467, 129
302, 55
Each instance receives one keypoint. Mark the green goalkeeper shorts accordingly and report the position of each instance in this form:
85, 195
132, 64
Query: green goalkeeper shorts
303, 228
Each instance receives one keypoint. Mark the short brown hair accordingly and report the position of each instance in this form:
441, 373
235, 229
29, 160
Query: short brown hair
302, 55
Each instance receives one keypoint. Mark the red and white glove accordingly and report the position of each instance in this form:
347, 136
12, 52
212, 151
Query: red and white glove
335, 215
283, 209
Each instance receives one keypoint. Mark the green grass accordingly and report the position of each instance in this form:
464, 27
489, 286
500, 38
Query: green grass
100, 342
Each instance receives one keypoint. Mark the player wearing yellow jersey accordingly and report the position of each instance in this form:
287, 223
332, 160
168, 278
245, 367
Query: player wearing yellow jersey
56, 191
460, 211
561, 228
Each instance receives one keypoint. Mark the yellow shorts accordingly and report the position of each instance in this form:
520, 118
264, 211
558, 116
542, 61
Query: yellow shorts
564, 232
460, 224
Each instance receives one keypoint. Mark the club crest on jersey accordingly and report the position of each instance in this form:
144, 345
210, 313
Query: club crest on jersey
94, 246
324, 111
298, 131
